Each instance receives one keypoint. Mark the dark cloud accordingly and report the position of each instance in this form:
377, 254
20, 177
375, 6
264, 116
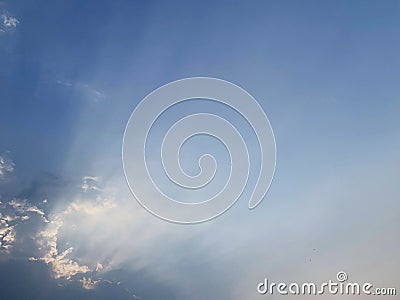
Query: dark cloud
32, 281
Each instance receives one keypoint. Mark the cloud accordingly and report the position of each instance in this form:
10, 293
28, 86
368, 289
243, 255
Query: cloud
100, 232
61, 264
7, 235
7, 22
6, 165
85, 89
88, 283
96, 233
57, 241
64, 83
12, 215
51, 233
90, 183
63, 229
23, 207
64, 266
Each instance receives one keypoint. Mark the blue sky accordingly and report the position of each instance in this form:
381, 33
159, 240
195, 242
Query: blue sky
71, 72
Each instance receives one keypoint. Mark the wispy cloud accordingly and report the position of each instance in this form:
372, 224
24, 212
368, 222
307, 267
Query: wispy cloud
85, 89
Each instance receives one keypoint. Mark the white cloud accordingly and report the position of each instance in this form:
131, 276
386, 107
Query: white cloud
65, 264
88, 283
103, 231
53, 249
99, 267
98, 232
13, 214
22, 207
7, 235
6, 165
64, 83
7, 22
90, 183
61, 264
85, 89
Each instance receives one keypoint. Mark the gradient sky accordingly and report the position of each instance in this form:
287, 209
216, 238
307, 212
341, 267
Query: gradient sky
71, 72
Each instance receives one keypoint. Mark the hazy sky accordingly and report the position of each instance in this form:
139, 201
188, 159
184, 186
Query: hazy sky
71, 72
